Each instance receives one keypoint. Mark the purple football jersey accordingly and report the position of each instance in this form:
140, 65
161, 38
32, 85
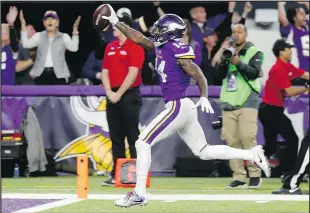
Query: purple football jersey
173, 80
300, 38
8, 62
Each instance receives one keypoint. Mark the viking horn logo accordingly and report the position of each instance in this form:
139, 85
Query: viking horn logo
95, 142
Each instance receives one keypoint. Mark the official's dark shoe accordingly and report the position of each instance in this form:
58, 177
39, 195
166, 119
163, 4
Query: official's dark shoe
110, 182
283, 191
255, 182
236, 184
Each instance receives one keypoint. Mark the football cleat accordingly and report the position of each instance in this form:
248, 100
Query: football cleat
260, 159
131, 199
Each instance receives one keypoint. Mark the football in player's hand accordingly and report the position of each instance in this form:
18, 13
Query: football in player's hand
99, 23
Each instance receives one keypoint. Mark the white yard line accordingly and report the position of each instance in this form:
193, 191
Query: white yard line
262, 201
162, 197
47, 206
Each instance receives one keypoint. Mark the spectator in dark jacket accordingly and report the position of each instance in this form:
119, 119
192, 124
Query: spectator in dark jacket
210, 40
93, 65
26, 58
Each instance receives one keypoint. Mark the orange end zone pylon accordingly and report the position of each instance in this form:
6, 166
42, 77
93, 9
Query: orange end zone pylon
125, 174
82, 176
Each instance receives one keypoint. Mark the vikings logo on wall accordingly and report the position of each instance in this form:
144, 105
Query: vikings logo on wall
96, 141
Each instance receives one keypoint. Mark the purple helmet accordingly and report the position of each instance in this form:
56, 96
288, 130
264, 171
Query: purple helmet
168, 27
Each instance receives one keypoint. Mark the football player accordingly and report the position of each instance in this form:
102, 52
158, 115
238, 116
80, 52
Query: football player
174, 63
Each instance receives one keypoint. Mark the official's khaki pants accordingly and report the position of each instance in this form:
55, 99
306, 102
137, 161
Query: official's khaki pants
239, 131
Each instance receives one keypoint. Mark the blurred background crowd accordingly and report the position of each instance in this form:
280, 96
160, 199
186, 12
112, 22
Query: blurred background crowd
80, 52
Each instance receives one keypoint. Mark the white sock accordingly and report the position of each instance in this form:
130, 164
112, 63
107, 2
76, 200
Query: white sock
223, 152
143, 165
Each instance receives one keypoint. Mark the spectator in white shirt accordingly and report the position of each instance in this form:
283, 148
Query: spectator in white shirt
50, 66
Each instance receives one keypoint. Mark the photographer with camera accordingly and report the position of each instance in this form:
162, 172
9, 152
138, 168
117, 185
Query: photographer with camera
240, 68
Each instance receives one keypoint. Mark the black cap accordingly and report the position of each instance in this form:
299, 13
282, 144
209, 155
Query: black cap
280, 45
126, 19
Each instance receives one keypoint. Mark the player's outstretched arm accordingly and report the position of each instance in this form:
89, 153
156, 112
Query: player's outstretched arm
130, 33
135, 36
195, 72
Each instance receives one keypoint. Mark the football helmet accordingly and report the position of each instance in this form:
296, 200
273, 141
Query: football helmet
167, 27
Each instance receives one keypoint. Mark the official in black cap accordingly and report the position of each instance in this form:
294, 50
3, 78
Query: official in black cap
271, 110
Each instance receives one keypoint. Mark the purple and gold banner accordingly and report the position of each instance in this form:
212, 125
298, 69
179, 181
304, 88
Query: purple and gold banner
73, 120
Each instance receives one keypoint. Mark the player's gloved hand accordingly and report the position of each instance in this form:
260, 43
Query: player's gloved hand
113, 17
205, 105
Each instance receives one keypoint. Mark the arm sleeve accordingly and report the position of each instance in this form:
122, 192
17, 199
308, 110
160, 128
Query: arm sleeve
136, 57
253, 69
71, 44
215, 21
32, 42
296, 72
285, 31
13, 40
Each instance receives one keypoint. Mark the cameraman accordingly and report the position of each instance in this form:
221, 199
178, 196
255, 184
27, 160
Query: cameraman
239, 97
271, 111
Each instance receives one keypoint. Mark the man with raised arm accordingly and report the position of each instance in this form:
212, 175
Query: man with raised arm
175, 67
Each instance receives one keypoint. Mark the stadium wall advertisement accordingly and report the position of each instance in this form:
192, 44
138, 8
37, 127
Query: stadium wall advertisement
73, 121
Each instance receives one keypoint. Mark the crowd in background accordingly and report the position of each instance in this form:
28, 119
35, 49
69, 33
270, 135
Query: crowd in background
38, 57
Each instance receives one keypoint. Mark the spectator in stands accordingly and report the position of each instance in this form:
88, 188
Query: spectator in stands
121, 78
9, 46
271, 111
295, 28
239, 102
93, 66
224, 30
200, 22
26, 58
210, 40
188, 39
50, 66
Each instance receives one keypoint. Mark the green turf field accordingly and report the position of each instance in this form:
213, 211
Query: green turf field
170, 194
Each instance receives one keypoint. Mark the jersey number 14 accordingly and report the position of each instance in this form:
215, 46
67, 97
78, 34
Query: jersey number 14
160, 70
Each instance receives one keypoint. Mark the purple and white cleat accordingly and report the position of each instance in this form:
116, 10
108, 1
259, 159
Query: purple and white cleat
132, 199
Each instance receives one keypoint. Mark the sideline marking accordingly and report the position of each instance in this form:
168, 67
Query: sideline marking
162, 197
47, 206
